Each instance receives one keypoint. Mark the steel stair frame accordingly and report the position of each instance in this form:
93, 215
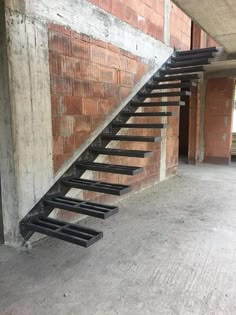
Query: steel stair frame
43, 209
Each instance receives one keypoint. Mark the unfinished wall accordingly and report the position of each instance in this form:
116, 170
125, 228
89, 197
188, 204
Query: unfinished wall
89, 78
218, 120
94, 58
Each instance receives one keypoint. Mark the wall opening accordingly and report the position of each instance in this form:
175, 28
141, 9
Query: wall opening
184, 130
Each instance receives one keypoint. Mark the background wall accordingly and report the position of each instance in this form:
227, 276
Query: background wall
218, 120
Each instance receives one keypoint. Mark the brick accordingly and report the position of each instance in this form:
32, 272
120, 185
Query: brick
60, 43
114, 60
80, 49
54, 107
73, 105
99, 43
114, 48
58, 145
59, 29
105, 5
108, 75
98, 89
69, 144
86, 70
106, 106
131, 17
82, 88
66, 126
82, 129
89, 106
59, 160
126, 78
61, 85
99, 55
118, 9
111, 90
124, 92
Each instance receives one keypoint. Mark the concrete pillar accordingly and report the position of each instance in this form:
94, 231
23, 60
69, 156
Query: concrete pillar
25, 117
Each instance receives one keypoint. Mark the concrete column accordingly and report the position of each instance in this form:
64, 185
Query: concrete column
25, 118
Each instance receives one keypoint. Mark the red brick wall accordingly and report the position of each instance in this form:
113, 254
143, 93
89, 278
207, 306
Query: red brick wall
88, 79
180, 29
172, 140
146, 15
218, 120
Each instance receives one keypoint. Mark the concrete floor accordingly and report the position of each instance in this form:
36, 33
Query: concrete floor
170, 250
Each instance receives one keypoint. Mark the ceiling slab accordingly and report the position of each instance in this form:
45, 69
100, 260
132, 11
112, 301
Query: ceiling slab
216, 17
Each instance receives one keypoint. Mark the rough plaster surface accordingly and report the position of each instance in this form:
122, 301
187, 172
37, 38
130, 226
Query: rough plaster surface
170, 250
84, 17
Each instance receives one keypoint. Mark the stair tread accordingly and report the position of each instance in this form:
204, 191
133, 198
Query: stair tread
127, 125
195, 56
178, 77
93, 209
165, 94
97, 186
131, 138
156, 104
109, 168
182, 70
72, 233
159, 86
187, 63
194, 51
146, 114
122, 152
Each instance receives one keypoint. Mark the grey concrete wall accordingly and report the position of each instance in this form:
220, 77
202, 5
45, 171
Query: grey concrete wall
26, 147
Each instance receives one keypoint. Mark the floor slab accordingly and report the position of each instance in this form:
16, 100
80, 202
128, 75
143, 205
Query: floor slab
170, 250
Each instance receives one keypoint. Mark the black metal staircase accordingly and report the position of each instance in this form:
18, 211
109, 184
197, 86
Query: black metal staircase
180, 72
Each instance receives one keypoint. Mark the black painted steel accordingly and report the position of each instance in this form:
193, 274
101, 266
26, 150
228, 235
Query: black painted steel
98, 186
148, 114
178, 77
166, 94
187, 63
182, 70
207, 55
152, 126
157, 104
180, 85
92, 209
196, 51
109, 168
119, 152
131, 138
68, 232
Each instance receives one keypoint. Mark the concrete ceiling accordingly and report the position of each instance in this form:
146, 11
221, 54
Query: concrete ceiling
216, 17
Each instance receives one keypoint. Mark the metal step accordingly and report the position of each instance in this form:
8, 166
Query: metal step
119, 152
182, 70
152, 126
92, 209
187, 63
165, 94
97, 186
131, 138
68, 232
148, 114
196, 51
109, 168
183, 85
156, 104
180, 77
207, 55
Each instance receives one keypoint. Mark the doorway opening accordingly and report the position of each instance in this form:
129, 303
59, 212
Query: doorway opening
184, 130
